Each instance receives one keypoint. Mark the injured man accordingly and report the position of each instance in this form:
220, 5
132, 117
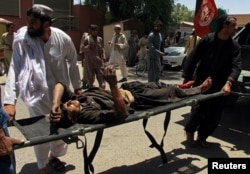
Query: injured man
97, 105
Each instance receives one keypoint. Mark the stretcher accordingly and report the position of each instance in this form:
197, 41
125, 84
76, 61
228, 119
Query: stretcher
38, 130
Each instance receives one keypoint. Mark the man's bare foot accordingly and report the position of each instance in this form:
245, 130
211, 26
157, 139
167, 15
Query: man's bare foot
206, 85
190, 138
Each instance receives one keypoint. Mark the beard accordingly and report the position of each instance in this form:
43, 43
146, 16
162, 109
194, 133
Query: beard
157, 30
64, 121
36, 33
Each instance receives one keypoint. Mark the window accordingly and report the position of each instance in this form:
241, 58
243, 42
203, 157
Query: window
62, 14
10, 8
60, 7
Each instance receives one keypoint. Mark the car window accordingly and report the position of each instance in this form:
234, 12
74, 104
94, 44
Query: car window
243, 38
174, 48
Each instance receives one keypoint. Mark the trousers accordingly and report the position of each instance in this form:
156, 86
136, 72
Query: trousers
205, 118
7, 163
56, 148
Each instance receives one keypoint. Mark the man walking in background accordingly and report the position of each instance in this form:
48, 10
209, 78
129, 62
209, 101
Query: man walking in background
81, 55
154, 54
133, 48
6, 42
118, 45
94, 57
192, 41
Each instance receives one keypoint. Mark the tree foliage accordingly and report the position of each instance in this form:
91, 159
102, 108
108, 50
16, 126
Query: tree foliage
144, 10
148, 11
182, 13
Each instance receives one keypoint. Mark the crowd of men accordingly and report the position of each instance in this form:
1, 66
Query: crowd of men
44, 64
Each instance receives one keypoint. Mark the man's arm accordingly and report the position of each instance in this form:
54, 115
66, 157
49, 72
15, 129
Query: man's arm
152, 47
237, 64
81, 53
10, 94
235, 72
2, 44
56, 111
74, 72
103, 56
120, 106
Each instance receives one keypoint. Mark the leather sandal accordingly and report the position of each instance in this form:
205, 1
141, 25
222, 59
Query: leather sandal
57, 164
203, 143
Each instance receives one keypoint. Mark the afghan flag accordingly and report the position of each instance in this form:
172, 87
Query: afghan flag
205, 13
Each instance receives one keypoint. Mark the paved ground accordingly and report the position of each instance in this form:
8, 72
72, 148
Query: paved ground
124, 148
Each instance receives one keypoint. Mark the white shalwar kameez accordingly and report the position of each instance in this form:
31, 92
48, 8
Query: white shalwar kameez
117, 52
59, 59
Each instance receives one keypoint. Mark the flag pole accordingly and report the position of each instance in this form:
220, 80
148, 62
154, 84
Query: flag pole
197, 6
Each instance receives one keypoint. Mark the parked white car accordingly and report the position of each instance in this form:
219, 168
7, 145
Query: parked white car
174, 56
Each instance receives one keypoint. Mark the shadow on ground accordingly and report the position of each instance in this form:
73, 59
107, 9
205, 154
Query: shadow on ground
234, 127
32, 168
174, 165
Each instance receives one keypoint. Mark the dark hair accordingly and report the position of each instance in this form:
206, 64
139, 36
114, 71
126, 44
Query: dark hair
10, 24
223, 19
38, 15
157, 22
93, 27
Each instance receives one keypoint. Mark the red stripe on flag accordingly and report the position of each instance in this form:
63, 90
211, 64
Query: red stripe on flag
206, 12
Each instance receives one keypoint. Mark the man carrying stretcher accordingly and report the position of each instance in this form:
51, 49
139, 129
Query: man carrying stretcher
97, 105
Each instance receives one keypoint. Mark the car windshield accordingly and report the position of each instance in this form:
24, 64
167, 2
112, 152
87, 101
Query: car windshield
181, 43
174, 48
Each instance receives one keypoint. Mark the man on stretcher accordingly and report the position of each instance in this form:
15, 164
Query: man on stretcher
97, 105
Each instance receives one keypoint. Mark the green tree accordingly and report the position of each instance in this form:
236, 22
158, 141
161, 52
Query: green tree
144, 10
181, 13
157, 9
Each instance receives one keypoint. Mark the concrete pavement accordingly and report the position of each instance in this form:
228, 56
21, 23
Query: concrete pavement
124, 149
